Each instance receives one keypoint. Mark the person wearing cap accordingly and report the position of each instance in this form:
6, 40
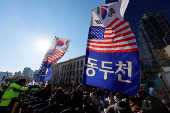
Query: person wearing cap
12, 92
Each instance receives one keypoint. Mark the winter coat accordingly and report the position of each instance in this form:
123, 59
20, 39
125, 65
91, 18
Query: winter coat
93, 98
59, 97
77, 99
153, 105
45, 95
111, 100
89, 109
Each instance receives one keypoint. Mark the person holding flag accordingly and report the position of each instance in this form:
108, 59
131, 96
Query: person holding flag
57, 50
12, 92
112, 58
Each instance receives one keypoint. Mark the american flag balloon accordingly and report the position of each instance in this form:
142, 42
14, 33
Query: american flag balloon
57, 50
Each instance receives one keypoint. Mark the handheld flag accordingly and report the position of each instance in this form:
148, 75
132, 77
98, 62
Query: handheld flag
33, 82
57, 50
112, 58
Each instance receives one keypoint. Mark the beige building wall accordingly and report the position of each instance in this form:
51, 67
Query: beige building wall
68, 71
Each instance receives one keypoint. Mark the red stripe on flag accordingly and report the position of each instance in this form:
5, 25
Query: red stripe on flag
113, 51
121, 40
120, 30
118, 25
114, 46
121, 35
53, 58
115, 20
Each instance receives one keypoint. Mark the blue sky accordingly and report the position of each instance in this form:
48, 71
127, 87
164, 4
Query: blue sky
25, 23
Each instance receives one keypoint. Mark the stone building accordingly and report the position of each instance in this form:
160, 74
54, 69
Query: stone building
68, 71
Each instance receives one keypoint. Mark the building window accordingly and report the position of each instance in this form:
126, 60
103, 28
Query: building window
73, 73
68, 67
82, 63
70, 74
81, 72
77, 72
80, 80
71, 66
65, 67
77, 81
74, 64
77, 64
70, 81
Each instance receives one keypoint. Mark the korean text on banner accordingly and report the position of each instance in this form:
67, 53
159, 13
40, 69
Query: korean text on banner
112, 58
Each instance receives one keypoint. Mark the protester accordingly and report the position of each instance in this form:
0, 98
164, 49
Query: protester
79, 100
111, 99
76, 98
120, 107
152, 92
151, 104
87, 107
59, 96
163, 90
93, 97
12, 92
44, 93
135, 104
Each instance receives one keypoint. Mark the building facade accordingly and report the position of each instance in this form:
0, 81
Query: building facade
17, 73
35, 72
154, 36
27, 72
6, 74
68, 72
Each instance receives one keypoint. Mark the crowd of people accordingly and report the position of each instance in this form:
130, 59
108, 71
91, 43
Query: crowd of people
81, 99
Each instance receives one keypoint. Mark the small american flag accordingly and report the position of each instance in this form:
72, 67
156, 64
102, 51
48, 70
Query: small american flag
114, 38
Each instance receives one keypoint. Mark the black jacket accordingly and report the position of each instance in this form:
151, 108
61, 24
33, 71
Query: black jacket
45, 95
153, 105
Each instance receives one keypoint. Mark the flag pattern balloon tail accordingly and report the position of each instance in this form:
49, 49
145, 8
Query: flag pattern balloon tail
57, 50
112, 58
